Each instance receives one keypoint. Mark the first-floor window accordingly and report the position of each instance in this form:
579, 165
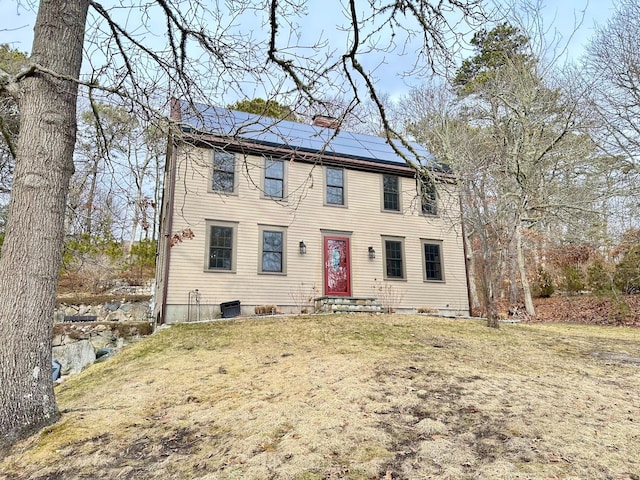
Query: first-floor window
271, 251
394, 261
221, 247
273, 241
432, 261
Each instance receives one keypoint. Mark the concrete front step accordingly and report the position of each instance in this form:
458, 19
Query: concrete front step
331, 304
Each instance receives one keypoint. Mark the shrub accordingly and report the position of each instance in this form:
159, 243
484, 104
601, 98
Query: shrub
598, 277
143, 253
573, 281
543, 284
89, 263
626, 277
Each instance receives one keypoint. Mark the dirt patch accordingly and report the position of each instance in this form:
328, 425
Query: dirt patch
617, 357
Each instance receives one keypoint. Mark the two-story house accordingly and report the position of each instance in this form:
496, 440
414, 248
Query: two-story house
277, 213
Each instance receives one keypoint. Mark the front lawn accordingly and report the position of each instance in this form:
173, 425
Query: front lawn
350, 397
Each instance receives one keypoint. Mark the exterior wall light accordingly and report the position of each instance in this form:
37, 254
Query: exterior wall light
372, 253
303, 248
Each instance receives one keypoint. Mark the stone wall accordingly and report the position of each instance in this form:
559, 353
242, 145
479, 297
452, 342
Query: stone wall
110, 310
77, 345
330, 304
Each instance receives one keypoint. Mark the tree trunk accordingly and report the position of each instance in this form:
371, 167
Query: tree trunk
157, 197
134, 224
514, 291
32, 248
88, 225
488, 284
490, 304
471, 276
526, 289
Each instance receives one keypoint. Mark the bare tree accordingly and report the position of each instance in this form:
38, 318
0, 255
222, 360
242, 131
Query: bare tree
118, 154
613, 77
207, 55
11, 61
518, 143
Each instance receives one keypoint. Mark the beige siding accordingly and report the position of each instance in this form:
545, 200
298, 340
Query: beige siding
305, 216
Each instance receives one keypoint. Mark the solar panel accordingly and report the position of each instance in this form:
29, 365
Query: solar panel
297, 136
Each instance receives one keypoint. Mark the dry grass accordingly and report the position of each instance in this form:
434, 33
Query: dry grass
350, 397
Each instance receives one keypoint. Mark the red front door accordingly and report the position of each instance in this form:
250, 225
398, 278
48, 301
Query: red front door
337, 266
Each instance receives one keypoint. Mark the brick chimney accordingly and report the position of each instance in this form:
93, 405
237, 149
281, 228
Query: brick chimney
325, 121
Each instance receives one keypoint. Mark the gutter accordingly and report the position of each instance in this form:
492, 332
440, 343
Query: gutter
321, 158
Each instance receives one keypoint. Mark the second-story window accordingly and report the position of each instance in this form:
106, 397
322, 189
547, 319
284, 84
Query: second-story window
335, 186
224, 172
428, 195
274, 178
390, 193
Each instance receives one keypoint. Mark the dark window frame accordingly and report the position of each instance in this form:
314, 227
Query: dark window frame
223, 176
432, 261
269, 178
428, 195
270, 229
221, 251
390, 196
331, 186
395, 264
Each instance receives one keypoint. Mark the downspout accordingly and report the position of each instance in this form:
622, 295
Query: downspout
170, 176
466, 258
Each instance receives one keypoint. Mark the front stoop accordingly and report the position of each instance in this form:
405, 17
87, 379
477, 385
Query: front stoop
330, 304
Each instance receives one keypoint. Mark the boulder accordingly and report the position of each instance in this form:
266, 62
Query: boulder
58, 315
103, 339
112, 306
75, 356
117, 316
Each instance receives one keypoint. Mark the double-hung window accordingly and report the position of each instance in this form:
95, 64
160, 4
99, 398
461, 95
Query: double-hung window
224, 172
394, 258
273, 241
335, 186
391, 193
432, 261
221, 240
428, 195
274, 185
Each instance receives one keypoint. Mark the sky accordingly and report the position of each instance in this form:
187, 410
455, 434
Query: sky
560, 17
